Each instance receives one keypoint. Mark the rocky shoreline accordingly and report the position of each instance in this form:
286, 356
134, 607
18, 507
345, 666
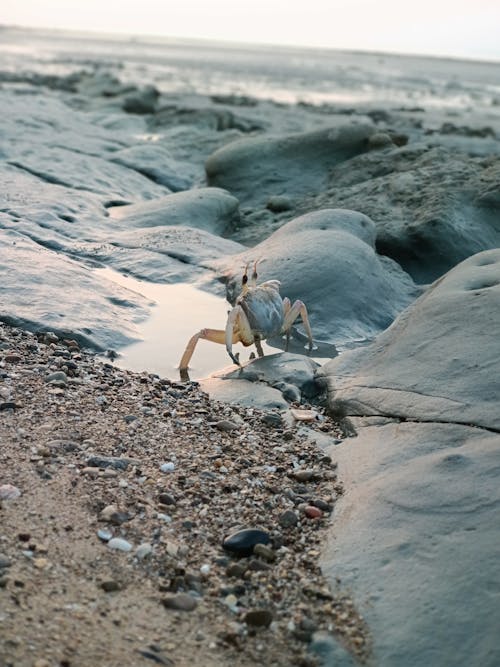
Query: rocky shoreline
98, 453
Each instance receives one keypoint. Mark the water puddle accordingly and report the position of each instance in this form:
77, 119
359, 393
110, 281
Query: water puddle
179, 311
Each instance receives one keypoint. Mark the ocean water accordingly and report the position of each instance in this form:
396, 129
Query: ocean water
282, 74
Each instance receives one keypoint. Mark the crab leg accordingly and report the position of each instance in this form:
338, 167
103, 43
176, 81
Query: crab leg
237, 322
213, 335
291, 314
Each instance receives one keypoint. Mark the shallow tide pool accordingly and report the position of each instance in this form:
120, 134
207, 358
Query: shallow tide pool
178, 312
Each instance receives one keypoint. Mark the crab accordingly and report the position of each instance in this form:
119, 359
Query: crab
259, 313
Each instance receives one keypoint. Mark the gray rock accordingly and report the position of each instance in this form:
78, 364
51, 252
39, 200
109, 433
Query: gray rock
114, 462
259, 167
211, 209
156, 162
180, 602
430, 365
432, 207
97, 313
58, 376
416, 530
141, 101
244, 392
327, 260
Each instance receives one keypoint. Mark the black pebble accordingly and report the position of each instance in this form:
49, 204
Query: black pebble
243, 542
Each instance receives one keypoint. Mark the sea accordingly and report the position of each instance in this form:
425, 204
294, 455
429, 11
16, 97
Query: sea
280, 73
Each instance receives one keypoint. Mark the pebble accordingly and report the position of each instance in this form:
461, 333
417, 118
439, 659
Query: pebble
41, 563
143, 551
242, 543
57, 377
110, 586
205, 569
9, 492
166, 499
322, 504
264, 552
258, 618
111, 514
226, 425
104, 535
119, 544
273, 419
313, 512
236, 570
306, 475
180, 602
113, 462
4, 562
167, 467
12, 358
288, 519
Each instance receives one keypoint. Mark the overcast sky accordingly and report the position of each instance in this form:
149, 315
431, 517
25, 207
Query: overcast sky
469, 28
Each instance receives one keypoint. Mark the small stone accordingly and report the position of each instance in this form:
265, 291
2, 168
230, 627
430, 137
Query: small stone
255, 565
306, 475
313, 512
273, 419
59, 378
41, 662
303, 415
226, 425
264, 552
243, 542
379, 140
110, 586
205, 569
279, 203
322, 504
8, 405
112, 515
258, 618
119, 544
41, 563
113, 462
12, 358
4, 562
180, 602
288, 519
166, 499
167, 467
231, 601
236, 570
143, 551
104, 535
9, 492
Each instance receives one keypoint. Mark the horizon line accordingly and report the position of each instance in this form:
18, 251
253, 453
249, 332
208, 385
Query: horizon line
234, 43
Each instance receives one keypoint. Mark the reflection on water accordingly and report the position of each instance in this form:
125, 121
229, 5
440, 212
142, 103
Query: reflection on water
178, 312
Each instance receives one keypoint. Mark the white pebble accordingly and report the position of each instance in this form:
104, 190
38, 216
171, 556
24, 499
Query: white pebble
120, 544
143, 551
205, 569
167, 467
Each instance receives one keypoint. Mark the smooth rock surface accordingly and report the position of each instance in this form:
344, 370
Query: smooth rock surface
55, 308
211, 209
327, 260
259, 167
440, 361
416, 533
